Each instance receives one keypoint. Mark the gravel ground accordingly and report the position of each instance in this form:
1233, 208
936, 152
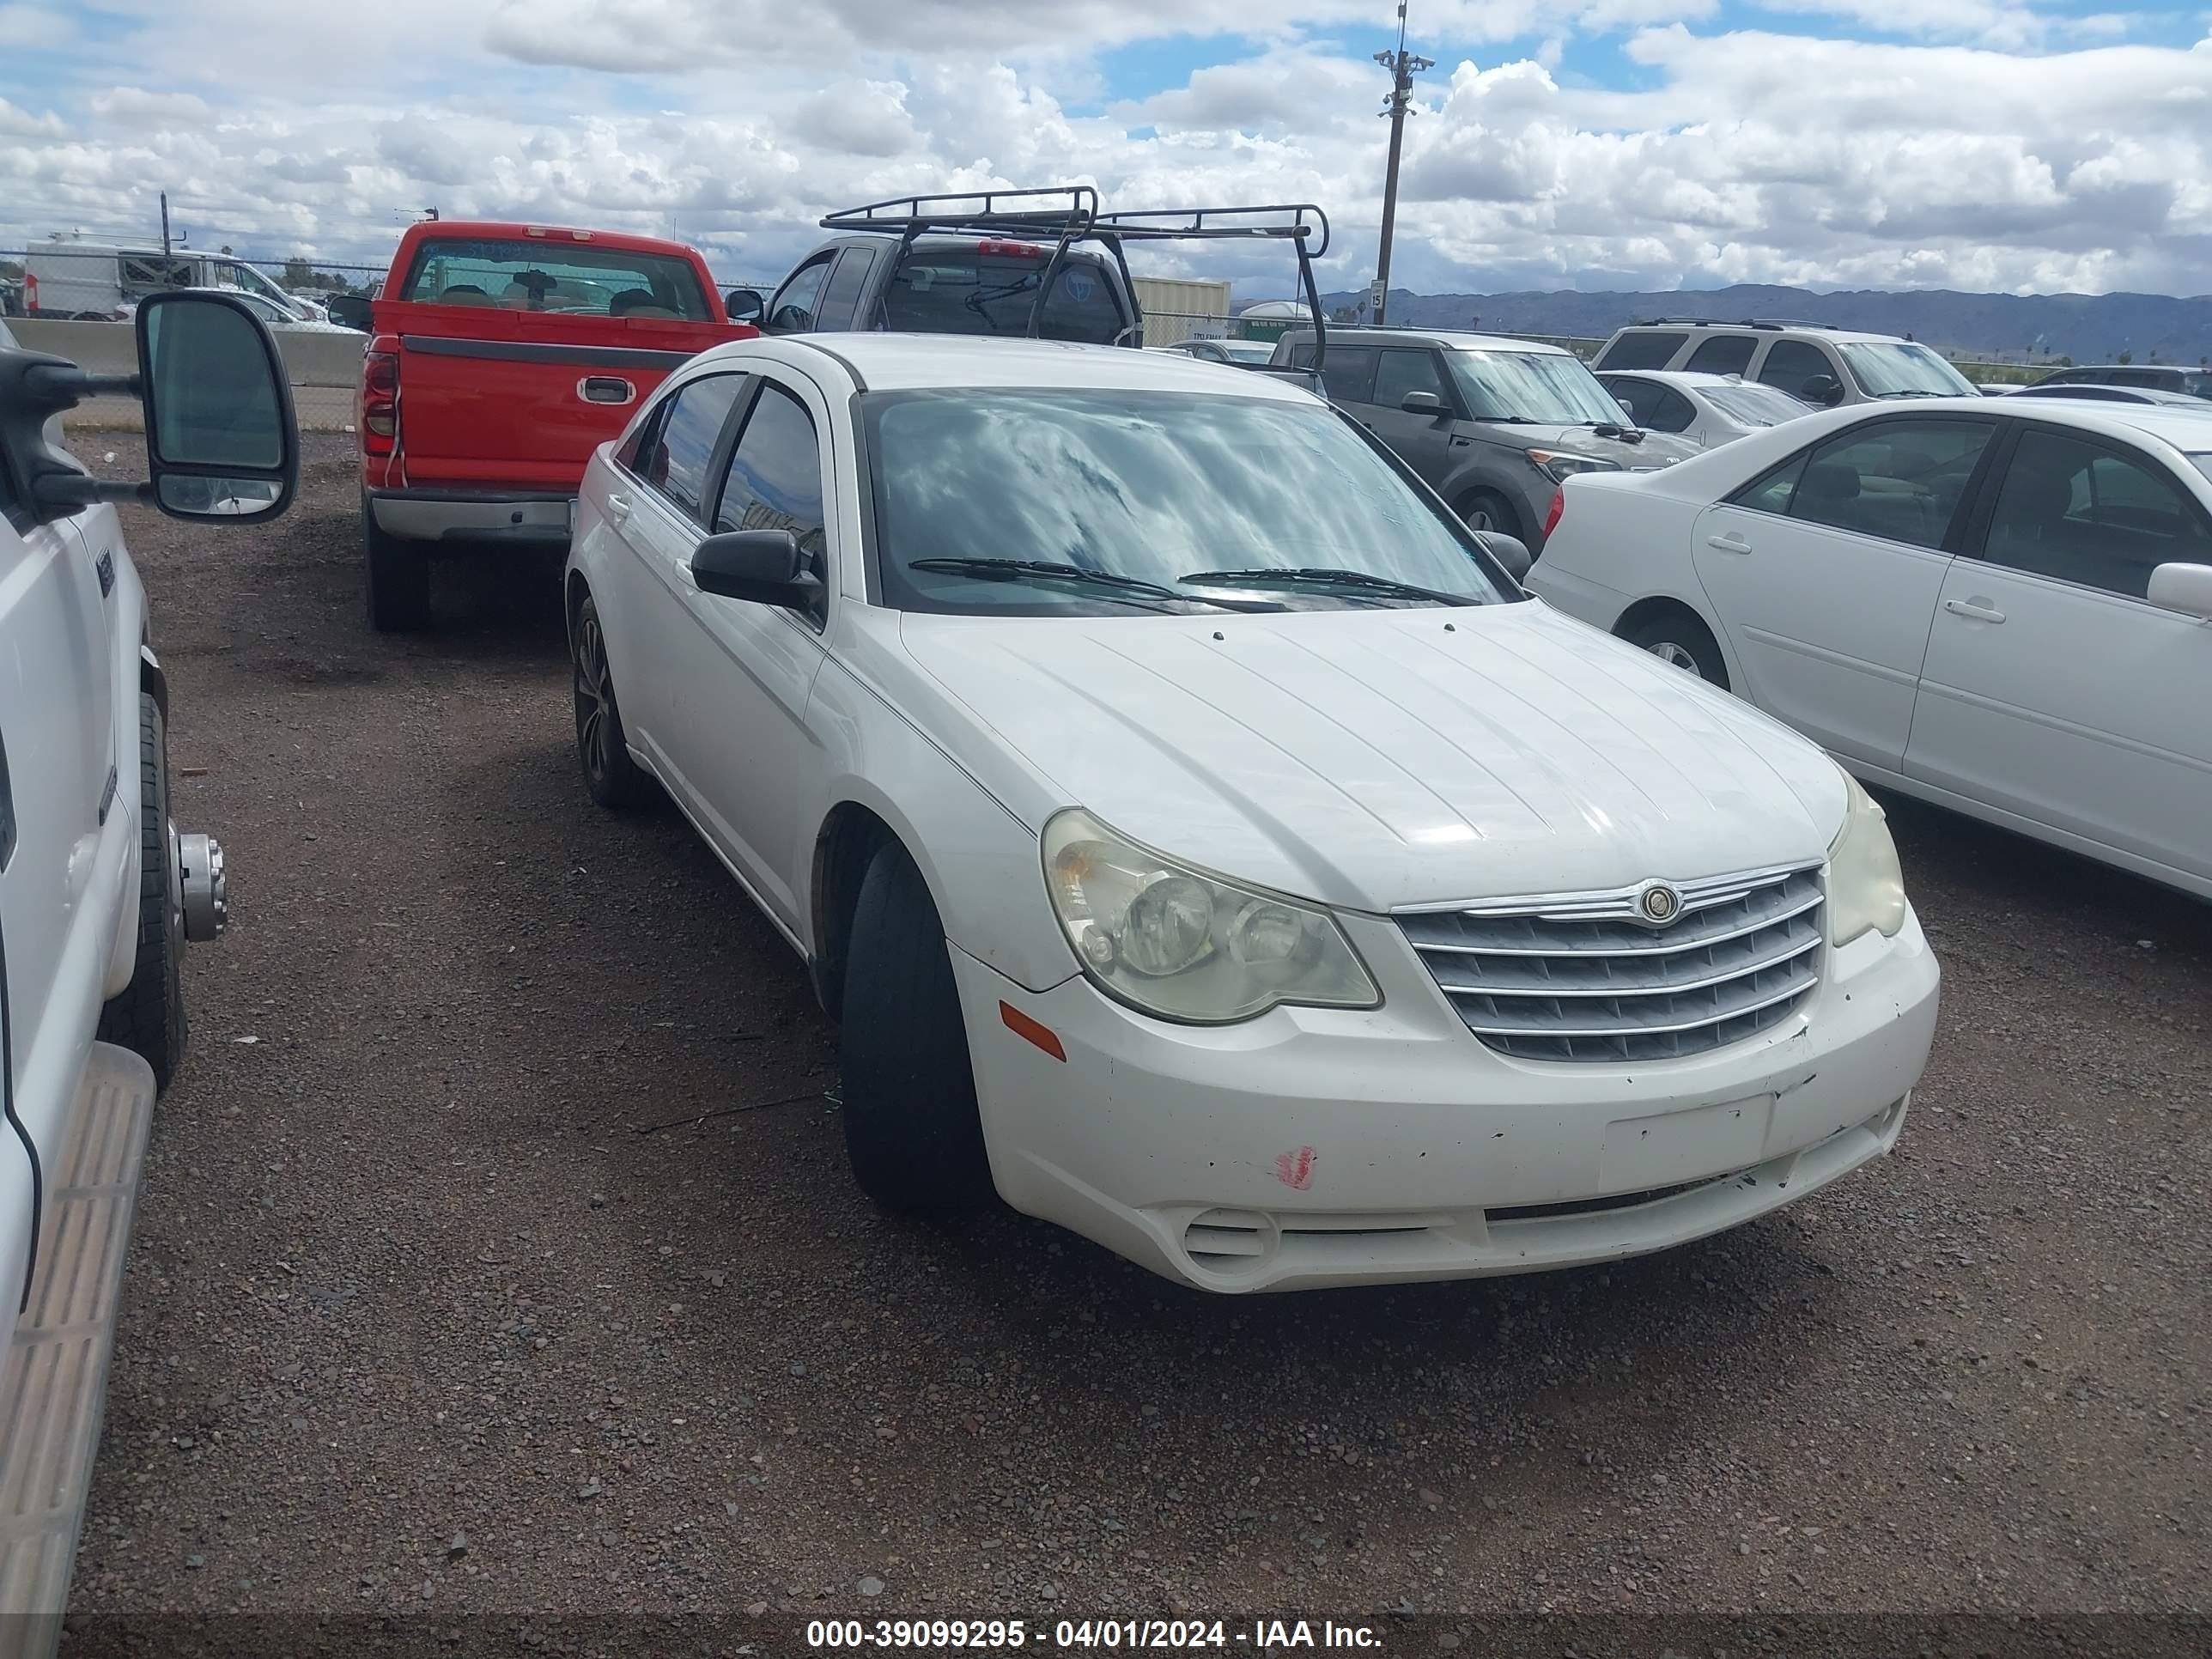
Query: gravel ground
497, 1252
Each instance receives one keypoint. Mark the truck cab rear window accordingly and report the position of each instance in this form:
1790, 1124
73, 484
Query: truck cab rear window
565, 277
968, 291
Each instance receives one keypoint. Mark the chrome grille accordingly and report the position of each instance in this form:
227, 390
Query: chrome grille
1577, 977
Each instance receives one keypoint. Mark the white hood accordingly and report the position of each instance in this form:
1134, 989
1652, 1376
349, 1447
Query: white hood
1376, 758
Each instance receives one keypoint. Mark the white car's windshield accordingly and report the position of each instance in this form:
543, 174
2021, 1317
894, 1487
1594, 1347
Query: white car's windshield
1548, 388
1756, 406
1097, 501
1246, 351
1887, 370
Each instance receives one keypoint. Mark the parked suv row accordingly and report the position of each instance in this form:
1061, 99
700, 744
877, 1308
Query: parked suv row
1825, 367
1493, 424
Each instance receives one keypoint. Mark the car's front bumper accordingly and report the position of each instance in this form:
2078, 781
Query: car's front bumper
436, 515
1313, 1147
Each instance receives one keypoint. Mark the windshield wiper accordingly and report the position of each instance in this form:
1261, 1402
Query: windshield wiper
1309, 577
1007, 570
1912, 393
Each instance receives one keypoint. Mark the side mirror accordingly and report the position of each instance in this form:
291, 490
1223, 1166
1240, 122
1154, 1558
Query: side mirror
763, 566
221, 440
1509, 550
1626, 407
1822, 391
351, 309
2183, 588
744, 305
1423, 403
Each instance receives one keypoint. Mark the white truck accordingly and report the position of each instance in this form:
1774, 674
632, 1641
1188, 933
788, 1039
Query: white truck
99, 889
67, 276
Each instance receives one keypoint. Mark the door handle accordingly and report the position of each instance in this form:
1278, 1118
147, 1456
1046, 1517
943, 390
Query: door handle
1729, 542
1973, 609
618, 506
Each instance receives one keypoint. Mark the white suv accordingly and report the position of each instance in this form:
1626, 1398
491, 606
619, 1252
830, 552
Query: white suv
99, 890
1205, 843
1822, 366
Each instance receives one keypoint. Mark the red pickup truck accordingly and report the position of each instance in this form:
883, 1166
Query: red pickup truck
500, 355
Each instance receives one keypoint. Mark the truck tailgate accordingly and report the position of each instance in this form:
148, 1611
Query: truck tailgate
494, 398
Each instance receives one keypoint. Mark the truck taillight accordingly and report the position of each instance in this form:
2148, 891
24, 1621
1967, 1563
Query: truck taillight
1558, 506
380, 401
1018, 250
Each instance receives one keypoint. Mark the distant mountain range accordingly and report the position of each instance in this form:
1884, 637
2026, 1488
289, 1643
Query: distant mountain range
2090, 328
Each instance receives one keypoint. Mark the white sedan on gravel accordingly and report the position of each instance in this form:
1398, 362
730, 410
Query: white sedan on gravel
1998, 605
1205, 844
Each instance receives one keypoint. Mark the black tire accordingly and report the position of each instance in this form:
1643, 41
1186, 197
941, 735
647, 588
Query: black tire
1678, 637
1486, 509
147, 1015
611, 777
911, 1128
398, 578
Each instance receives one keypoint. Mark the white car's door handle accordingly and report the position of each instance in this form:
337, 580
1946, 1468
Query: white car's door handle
1971, 608
618, 506
1729, 542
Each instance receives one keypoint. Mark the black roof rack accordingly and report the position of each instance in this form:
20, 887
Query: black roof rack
1067, 214
1763, 322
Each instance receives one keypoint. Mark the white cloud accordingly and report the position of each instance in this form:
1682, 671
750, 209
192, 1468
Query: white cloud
1743, 155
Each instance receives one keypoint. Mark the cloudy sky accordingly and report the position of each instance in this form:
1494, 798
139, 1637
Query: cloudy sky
1982, 145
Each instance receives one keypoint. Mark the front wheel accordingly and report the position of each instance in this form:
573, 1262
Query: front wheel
147, 1015
1486, 509
912, 1129
1678, 638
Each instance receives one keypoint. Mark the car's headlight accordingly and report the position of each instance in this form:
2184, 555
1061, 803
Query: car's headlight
1559, 467
1866, 887
1184, 946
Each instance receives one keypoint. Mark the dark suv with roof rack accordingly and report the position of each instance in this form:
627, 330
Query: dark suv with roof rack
1044, 264
1825, 367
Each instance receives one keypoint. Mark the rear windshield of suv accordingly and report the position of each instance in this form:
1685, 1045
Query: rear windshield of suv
573, 277
979, 290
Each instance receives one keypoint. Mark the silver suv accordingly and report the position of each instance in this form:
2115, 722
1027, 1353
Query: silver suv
1825, 367
1493, 425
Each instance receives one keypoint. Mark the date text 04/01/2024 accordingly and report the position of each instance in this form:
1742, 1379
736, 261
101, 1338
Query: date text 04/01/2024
1259, 1636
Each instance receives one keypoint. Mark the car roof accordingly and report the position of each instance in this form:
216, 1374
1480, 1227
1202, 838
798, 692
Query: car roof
2187, 429
1765, 331
895, 362
1446, 339
1690, 379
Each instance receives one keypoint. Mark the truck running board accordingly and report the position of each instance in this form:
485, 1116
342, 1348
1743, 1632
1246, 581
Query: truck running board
55, 1386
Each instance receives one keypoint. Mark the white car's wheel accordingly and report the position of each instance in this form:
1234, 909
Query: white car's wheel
1678, 638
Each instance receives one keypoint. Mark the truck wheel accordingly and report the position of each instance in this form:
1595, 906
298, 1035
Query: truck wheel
912, 1131
611, 778
398, 578
147, 1015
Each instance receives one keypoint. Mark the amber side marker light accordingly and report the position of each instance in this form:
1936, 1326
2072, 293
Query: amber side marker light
1022, 1026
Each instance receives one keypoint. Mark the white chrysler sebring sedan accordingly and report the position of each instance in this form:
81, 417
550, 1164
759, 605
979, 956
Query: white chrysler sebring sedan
1203, 843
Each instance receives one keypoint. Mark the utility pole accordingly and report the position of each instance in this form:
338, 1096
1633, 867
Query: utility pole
1403, 67
165, 224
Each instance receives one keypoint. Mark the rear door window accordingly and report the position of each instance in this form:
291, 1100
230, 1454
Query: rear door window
1642, 348
990, 288
1723, 354
840, 298
571, 277
681, 447
1899, 480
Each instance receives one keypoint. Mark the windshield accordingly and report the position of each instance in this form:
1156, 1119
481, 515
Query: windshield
2196, 385
1149, 485
1894, 370
1755, 405
989, 288
542, 275
1245, 351
1549, 387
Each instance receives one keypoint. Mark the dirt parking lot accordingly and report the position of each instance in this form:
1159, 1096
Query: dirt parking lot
498, 1254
